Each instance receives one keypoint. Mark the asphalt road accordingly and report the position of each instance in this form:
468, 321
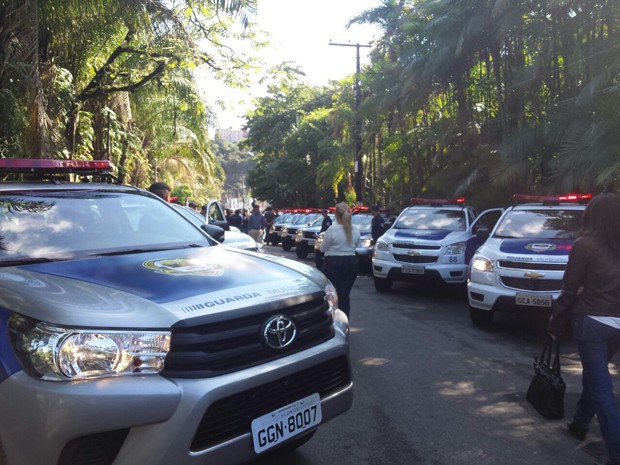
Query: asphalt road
430, 388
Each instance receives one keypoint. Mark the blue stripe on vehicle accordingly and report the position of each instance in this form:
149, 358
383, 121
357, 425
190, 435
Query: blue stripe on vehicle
536, 246
221, 270
426, 234
8, 361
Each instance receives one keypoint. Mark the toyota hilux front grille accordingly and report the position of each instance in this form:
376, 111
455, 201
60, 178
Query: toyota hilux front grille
215, 348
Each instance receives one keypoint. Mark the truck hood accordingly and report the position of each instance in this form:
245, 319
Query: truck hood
558, 248
154, 289
429, 234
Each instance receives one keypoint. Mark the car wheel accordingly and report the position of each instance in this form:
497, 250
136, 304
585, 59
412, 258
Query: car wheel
383, 284
481, 317
301, 251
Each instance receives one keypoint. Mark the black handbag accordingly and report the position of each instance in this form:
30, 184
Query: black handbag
546, 391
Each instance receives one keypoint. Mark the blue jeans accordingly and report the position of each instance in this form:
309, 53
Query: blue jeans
342, 272
597, 343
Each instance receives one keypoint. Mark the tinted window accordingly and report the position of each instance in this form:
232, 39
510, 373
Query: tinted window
428, 218
539, 224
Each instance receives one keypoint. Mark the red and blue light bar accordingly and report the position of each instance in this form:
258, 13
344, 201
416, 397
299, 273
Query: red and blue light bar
27, 165
553, 199
420, 201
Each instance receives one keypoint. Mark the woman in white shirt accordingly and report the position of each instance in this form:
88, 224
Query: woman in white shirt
340, 265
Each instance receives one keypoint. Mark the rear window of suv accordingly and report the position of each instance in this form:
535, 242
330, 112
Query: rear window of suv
539, 224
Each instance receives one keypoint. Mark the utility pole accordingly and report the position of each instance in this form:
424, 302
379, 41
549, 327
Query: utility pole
357, 126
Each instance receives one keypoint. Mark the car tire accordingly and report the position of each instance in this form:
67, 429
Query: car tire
481, 317
301, 251
286, 245
383, 284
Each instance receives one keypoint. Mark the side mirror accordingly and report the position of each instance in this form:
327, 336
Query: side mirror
214, 231
482, 234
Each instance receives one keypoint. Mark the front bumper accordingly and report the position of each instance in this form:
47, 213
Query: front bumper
491, 295
163, 421
448, 273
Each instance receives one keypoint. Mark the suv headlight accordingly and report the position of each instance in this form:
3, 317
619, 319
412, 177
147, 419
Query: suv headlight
55, 353
456, 248
382, 246
482, 264
299, 233
365, 242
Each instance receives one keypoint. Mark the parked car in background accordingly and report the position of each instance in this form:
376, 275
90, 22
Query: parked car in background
289, 229
233, 237
306, 236
128, 335
433, 239
273, 237
364, 250
522, 263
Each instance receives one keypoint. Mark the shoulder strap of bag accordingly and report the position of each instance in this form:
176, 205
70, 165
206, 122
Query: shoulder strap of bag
550, 347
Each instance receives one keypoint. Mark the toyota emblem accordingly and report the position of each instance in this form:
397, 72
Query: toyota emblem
279, 332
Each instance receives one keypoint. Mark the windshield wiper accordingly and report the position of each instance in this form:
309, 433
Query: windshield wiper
144, 250
30, 261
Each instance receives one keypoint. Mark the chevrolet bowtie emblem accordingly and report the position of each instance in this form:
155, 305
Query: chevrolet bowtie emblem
413, 252
534, 275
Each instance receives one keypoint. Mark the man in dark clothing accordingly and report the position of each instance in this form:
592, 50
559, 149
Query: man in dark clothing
327, 221
161, 189
236, 220
376, 225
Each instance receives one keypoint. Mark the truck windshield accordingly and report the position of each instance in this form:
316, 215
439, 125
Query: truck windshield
428, 218
539, 224
66, 224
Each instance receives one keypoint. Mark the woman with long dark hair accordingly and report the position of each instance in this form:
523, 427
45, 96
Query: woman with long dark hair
340, 265
591, 298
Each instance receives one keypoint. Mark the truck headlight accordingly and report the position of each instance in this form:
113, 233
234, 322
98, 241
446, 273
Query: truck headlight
482, 264
299, 233
456, 249
382, 246
331, 296
55, 353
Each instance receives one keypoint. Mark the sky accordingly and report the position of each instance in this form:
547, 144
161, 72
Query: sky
301, 31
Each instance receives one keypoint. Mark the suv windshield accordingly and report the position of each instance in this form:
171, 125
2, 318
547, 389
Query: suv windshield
65, 224
539, 224
428, 218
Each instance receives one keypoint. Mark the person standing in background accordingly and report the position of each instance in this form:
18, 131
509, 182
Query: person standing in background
160, 189
270, 217
340, 265
376, 225
327, 221
256, 224
590, 298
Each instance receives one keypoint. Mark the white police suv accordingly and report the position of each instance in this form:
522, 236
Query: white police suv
521, 265
432, 239
129, 336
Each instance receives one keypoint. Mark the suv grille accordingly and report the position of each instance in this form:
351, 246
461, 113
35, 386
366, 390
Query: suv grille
415, 258
212, 349
232, 416
528, 284
397, 245
532, 265
309, 234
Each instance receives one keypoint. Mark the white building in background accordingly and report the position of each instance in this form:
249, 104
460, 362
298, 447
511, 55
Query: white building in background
232, 135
